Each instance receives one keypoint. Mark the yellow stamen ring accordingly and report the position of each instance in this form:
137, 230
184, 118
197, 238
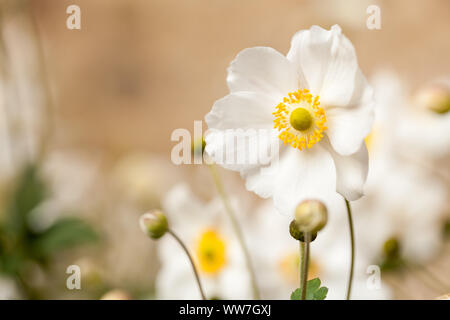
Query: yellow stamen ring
300, 119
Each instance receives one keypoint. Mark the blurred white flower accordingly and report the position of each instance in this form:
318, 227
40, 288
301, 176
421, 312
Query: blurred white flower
205, 231
278, 259
316, 100
406, 201
22, 95
405, 128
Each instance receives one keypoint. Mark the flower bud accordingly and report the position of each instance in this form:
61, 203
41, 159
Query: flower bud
154, 224
434, 98
297, 234
311, 216
391, 248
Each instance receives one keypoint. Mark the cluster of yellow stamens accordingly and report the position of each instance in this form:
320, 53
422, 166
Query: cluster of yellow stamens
300, 119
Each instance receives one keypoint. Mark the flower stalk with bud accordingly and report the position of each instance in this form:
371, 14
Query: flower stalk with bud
310, 217
155, 225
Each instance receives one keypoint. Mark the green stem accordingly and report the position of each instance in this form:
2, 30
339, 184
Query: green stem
352, 243
197, 278
236, 227
305, 264
302, 261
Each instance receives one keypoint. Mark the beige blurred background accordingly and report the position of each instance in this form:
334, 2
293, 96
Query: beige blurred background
138, 69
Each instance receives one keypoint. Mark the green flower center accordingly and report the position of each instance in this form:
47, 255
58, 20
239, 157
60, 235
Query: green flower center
301, 119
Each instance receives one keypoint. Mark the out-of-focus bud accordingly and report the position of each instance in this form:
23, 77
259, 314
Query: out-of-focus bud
311, 216
434, 98
116, 294
297, 234
92, 275
154, 224
391, 248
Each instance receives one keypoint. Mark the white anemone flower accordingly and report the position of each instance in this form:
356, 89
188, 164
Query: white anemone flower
277, 257
408, 127
217, 255
315, 100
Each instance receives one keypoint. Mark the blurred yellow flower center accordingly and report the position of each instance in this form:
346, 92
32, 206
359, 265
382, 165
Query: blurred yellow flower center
211, 252
300, 119
289, 266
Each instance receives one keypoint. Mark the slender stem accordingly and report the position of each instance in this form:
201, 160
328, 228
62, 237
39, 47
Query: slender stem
305, 265
230, 212
302, 261
352, 243
197, 278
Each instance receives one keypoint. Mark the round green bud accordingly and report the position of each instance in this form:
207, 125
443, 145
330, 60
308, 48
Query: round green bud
299, 235
294, 231
311, 216
154, 224
301, 119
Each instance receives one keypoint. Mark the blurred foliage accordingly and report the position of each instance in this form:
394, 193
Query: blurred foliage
20, 245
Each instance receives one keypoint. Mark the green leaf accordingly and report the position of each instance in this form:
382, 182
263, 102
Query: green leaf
296, 294
313, 291
29, 192
320, 293
64, 234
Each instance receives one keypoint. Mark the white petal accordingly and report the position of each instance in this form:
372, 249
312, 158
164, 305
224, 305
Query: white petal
247, 115
244, 110
300, 175
246, 154
260, 180
264, 70
351, 171
328, 62
347, 127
